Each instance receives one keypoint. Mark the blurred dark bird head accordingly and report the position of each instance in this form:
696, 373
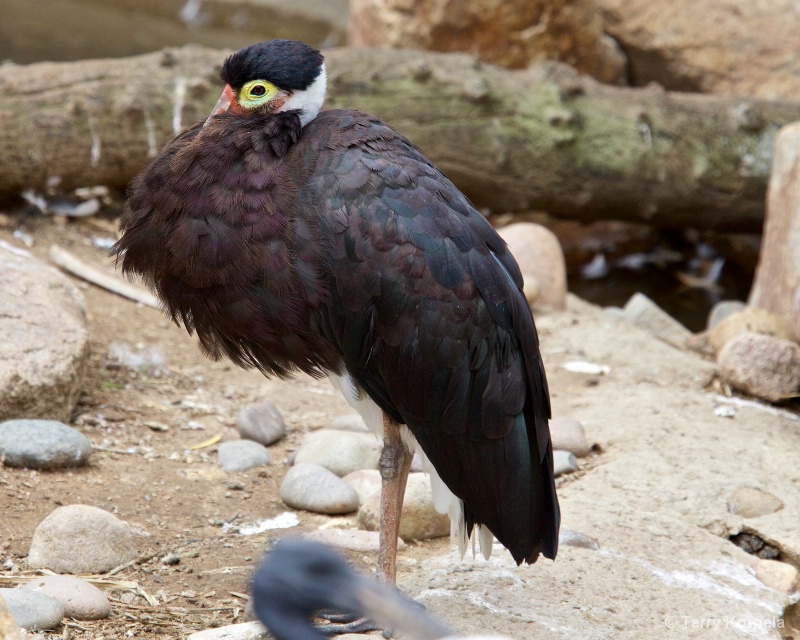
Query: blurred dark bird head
301, 577
272, 77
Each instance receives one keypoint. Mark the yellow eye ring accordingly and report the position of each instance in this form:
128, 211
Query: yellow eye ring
256, 93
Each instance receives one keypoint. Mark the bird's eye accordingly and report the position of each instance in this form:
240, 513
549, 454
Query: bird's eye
257, 93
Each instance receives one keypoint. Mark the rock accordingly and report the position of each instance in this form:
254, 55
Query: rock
567, 434
569, 538
777, 575
364, 541
539, 255
365, 482
81, 599
777, 280
722, 310
498, 32
33, 610
240, 455
340, 451
762, 366
564, 462
81, 539
750, 320
711, 46
262, 423
530, 287
42, 444
646, 314
241, 631
419, 519
349, 422
750, 502
314, 488
43, 339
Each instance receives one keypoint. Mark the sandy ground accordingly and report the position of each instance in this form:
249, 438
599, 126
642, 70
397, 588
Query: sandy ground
653, 495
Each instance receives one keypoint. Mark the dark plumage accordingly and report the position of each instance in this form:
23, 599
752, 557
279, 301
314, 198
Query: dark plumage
339, 247
299, 578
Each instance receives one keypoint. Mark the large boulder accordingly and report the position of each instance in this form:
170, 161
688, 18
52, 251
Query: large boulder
713, 46
44, 343
510, 33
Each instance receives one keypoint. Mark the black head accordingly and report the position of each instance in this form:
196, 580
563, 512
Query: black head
288, 64
298, 578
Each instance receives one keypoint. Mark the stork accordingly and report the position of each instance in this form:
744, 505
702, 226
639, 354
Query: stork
293, 239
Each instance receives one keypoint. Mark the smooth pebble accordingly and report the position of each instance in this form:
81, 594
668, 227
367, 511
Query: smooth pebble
81, 539
570, 538
365, 482
419, 519
568, 434
777, 575
339, 451
750, 502
564, 462
42, 444
262, 423
240, 455
241, 631
81, 599
354, 540
314, 488
349, 422
33, 610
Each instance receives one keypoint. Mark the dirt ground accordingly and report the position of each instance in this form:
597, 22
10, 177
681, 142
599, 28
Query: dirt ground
177, 498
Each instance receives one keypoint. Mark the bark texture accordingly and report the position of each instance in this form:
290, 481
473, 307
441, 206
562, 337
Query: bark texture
543, 138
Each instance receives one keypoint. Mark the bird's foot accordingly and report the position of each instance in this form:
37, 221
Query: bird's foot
346, 623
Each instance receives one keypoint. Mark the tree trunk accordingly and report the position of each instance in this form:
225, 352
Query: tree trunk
539, 139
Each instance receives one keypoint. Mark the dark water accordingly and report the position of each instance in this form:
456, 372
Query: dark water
684, 285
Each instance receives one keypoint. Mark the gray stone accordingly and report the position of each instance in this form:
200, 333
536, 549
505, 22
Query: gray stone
44, 343
240, 455
570, 538
722, 310
81, 599
365, 482
646, 314
349, 422
750, 502
564, 462
541, 260
314, 488
340, 451
567, 434
354, 540
33, 610
419, 519
241, 631
762, 366
42, 444
81, 539
262, 423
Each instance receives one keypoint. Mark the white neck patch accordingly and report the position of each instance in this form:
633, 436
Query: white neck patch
309, 101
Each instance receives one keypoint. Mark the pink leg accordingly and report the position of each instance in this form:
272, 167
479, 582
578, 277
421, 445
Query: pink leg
394, 464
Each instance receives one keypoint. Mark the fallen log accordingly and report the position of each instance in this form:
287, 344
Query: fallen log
543, 139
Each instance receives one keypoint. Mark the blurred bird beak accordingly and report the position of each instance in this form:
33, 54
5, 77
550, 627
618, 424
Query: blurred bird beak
227, 98
393, 611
